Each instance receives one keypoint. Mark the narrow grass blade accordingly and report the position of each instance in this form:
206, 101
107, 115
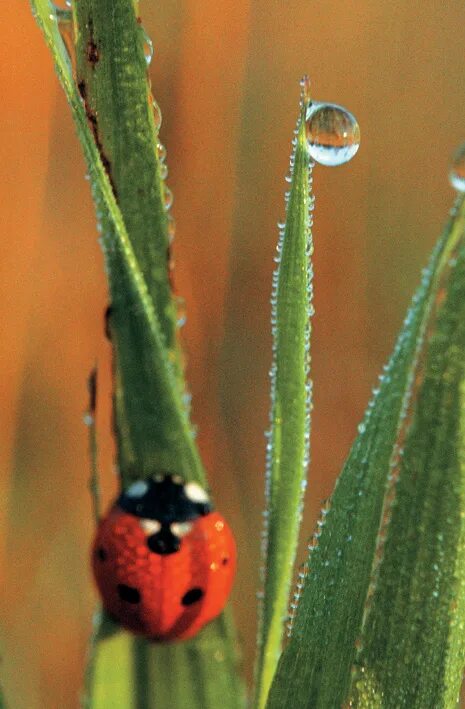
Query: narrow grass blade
112, 79
412, 648
315, 668
153, 427
147, 377
288, 438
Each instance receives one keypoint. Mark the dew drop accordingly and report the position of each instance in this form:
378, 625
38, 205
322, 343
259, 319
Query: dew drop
163, 171
171, 228
156, 114
333, 134
181, 314
148, 48
457, 171
161, 152
167, 198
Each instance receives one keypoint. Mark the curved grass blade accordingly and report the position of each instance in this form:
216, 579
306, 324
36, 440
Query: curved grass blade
112, 79
153, 423
315, 668
412, 648
147, 375
288, 438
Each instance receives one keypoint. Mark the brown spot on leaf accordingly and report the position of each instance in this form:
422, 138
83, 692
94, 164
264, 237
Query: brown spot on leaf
92, 53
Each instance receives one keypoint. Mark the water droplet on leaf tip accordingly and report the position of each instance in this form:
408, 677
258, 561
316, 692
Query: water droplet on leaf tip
333, 134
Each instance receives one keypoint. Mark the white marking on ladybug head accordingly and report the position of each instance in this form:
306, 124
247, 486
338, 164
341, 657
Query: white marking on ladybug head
195, 493
137, 489
180, 529
150, 526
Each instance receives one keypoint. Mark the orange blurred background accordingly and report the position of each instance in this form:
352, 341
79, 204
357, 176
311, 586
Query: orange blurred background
226, 76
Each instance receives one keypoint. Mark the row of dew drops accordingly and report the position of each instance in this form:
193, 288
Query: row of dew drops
62, 15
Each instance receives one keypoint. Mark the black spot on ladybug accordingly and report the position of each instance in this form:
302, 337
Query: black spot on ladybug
192, 596
225, 561
164, 542
128, 593
101, 554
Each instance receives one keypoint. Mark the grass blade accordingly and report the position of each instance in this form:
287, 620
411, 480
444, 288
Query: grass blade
412, 648
315, 668
288, 444
147, 375
153, 427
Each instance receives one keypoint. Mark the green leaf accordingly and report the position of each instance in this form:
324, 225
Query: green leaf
412, 648
113, 84
287, 449
153, 427
130, 673
146, 377
315, 668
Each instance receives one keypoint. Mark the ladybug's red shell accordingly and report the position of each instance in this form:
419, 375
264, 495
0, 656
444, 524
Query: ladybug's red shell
167, 595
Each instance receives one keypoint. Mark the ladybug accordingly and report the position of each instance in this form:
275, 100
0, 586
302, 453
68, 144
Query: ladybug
163, 560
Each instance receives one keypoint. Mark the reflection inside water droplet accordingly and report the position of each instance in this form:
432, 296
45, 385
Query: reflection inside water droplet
333, 134
457, 171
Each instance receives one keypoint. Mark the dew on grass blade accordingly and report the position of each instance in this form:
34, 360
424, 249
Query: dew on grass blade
148, 48
181, 313
457, 170
333, 134
161, 152
171, 228
167, 198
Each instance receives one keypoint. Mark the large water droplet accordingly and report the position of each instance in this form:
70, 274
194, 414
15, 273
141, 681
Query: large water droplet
457, 171
333, 134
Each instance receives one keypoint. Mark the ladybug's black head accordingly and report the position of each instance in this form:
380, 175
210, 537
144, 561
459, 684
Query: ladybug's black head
166, 506
166, 499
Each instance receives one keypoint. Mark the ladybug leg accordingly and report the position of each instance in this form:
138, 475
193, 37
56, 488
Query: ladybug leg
89, 420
